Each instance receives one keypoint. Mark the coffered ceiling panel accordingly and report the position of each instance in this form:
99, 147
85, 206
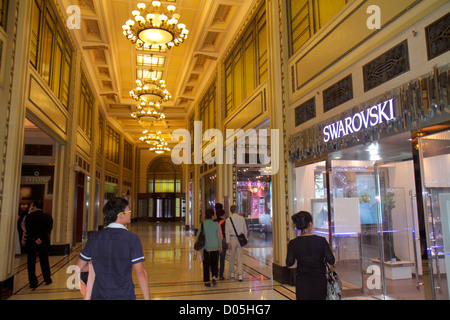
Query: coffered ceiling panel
111, 60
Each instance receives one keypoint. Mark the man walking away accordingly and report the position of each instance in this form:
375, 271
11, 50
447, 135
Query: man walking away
236, 251
38, 226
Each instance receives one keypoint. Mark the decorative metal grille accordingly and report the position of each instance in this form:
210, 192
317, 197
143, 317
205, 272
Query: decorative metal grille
438, 37
338, 93
418, 103
306, 111
389, 65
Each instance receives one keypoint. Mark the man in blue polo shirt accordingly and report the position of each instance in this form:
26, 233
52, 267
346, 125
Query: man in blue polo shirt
114, 252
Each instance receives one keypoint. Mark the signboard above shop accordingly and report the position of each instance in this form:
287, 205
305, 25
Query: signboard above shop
370, 117
416, 104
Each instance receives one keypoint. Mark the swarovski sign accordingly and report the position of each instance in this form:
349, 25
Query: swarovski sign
369, 117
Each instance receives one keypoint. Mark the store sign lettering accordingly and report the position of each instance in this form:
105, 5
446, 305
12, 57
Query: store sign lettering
35, 179
251, 184
370, 117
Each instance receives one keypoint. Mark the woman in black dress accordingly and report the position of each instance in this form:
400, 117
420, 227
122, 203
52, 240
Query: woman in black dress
309, 252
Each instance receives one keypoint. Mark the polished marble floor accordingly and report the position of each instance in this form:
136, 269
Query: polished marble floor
173, 271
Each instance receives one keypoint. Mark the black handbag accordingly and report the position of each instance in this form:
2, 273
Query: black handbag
334, 285
200, 243
241, 238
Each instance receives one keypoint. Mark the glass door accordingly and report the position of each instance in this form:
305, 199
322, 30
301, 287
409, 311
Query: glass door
374, 220
165, 210
354, 226
398, 228
434, 151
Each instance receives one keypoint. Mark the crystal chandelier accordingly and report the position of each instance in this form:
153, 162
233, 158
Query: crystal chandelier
151, 138
150, 91
155, 26
160, 148
148, 114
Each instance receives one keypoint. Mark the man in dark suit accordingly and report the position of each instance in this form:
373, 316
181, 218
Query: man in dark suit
38, 226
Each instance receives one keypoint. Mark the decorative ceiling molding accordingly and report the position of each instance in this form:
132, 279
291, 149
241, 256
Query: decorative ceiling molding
111, 60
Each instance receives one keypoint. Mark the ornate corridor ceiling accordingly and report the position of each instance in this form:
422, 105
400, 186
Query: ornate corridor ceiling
112, 60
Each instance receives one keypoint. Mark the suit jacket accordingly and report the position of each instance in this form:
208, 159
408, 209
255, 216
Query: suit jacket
38, 225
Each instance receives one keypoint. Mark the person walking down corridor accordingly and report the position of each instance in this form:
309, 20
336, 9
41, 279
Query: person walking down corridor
38, 226
309, 253
213, 247
114, 252
235, 225
220, 220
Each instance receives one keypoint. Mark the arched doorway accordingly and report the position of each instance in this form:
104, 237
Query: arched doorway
164, 199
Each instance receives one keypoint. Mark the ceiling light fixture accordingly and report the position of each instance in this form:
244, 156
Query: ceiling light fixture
160, 148
155, 26
151, 138
150, 91
148, 114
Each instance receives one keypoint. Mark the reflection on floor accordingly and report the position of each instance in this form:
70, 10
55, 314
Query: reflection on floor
173, 272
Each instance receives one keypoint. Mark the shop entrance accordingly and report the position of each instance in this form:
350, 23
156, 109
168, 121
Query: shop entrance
434, 152
385, 208
38, 175
375, 221
254, 203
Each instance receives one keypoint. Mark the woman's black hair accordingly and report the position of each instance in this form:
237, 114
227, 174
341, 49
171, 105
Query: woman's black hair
302, 220
112, 208
209, 213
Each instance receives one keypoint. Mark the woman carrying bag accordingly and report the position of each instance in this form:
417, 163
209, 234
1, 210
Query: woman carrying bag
213, 246
309, 253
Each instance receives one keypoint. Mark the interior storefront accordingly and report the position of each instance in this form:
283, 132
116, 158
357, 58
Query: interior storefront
434, 155
375, 178
38, 174
254, 202
373, 224
42, 178
366, 201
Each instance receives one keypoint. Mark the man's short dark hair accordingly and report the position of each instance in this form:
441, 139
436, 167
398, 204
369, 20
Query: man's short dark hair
220, 213
218, 206
39, 204
112, 208
233, 208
